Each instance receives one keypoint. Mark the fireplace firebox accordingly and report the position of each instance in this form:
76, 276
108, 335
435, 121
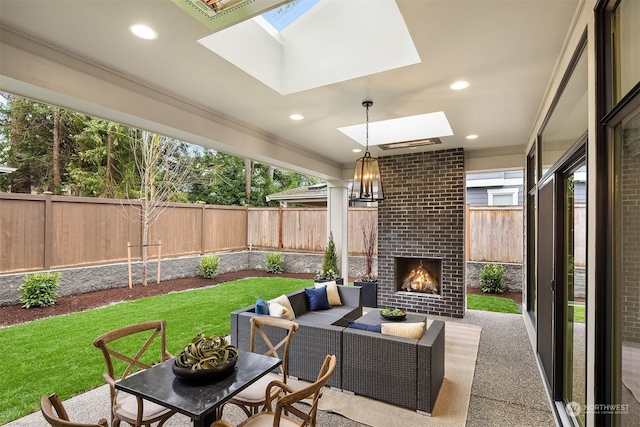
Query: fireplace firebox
418, 275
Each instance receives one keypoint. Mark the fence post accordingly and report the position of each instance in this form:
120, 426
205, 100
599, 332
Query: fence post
280, 228
48, 230
467, 230
202, 228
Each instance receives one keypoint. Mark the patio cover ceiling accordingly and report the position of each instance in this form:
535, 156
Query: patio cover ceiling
80, 55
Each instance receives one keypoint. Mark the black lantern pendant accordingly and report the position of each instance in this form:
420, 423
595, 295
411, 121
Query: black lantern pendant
367, 184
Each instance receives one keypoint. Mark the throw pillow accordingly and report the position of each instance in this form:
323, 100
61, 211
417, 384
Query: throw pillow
332, 292
317, 298
284, 301
405, 330
261, 306
365, 327
277, 310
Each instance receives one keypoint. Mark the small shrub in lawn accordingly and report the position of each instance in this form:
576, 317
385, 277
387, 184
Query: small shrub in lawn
275, 263
492, 278
208, 266
40, 289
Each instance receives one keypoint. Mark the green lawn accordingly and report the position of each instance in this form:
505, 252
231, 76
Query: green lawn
57, 354
491, 303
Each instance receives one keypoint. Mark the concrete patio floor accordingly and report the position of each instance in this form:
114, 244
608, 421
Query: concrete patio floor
507, 388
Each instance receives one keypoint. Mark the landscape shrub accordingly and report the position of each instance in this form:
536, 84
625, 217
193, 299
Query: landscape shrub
492, 278
330, 261
209, 265
275, 263
40, 289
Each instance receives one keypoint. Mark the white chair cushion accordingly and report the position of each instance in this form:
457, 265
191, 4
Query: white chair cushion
256, 391
265, 419
128, 408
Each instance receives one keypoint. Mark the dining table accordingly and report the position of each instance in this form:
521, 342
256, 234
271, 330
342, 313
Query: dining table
200, 402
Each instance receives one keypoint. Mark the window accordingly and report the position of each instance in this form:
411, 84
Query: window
503, 197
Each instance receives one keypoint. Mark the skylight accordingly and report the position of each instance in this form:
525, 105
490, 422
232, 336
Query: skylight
282, 16
309, 53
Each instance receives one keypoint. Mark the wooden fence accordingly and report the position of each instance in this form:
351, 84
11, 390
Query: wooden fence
494, 234
303, 229
41, 232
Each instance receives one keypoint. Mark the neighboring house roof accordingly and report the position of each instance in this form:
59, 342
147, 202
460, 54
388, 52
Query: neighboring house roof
314, 195
6, 169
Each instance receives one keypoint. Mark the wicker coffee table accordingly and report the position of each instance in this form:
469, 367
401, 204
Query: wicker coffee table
374, 317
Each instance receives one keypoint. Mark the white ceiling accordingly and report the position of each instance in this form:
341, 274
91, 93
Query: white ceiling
507, 50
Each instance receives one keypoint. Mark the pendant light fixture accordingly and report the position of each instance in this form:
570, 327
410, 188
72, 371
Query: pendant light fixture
367, 184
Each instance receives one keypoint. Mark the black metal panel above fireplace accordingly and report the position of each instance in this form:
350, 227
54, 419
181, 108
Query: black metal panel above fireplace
418, 275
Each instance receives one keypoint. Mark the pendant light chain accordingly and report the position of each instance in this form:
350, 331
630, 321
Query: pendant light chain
366, 150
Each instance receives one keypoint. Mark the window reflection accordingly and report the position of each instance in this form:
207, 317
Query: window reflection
628, 266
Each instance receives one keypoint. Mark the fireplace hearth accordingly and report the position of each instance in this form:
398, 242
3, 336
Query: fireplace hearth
418, 275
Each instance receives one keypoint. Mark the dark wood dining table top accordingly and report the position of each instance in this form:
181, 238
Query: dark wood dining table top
199, 401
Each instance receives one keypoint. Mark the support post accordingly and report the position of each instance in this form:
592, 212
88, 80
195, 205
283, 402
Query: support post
337, 222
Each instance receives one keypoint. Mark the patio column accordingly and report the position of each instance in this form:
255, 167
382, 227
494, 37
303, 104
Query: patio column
337, 212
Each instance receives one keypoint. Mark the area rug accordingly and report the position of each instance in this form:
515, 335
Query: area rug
461, 350
631, 369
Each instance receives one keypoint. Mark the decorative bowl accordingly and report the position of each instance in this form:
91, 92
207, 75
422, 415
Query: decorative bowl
393, 314
201, 376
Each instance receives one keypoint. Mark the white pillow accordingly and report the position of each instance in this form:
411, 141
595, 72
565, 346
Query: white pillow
404, 330
277, 310
283, 300
332, 292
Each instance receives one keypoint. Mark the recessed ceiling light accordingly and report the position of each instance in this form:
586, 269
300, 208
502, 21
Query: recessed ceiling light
356, 150
459, 85
143, 31
472, 137
296, 117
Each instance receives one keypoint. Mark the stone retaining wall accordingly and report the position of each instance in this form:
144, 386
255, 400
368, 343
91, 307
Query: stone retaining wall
512, 275
93, 278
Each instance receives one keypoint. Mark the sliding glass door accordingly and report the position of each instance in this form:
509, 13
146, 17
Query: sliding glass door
574, 292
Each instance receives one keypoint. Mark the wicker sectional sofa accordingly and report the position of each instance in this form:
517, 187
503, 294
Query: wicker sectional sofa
320, 333
402, 371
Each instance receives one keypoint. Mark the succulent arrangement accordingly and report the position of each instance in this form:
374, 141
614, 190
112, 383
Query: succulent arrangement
206, 353
392, 312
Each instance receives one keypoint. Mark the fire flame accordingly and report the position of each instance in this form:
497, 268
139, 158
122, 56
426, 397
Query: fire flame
420, 280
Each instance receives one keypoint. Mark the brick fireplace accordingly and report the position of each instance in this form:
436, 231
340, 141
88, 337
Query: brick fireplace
422, 220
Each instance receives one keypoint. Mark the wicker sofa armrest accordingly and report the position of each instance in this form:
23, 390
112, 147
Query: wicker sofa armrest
350, 295
383, 367
234, 322
430, 366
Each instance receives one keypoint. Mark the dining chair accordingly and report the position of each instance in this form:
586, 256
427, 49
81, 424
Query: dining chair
285, 398
138, 340
252, 399
55, 414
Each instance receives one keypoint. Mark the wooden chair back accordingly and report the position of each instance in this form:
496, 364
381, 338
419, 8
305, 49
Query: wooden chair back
258, 323
55, 414
155, 329
289, 397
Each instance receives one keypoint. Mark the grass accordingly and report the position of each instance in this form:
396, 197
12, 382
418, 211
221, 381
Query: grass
491, 303
57, 354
